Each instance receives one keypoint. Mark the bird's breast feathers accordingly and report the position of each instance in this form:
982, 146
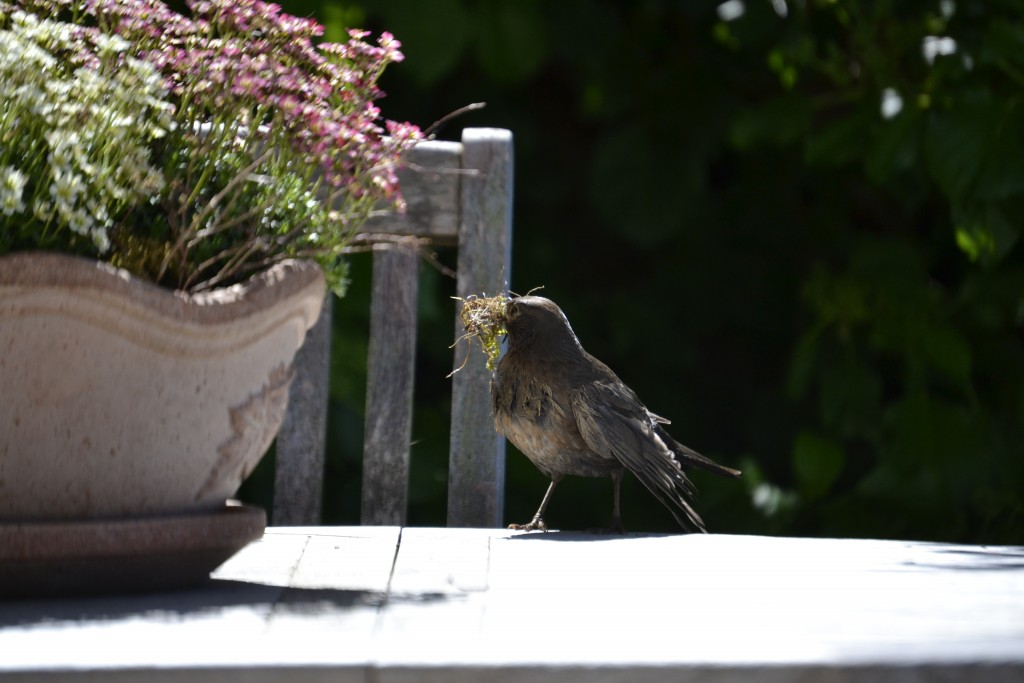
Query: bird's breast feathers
542, 426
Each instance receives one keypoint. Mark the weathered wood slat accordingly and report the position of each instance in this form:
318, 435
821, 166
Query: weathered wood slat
389, 385
299, 476
457, 194
430, 185
476, 470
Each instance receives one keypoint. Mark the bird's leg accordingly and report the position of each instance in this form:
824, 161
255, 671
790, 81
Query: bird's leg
616, 525
538, 519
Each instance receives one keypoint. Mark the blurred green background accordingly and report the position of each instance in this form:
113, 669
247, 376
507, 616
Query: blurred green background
792, 227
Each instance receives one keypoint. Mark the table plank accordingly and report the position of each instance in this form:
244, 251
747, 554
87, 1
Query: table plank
388, 605
581, 607
354, 559
437, 599
325, 620
728, 600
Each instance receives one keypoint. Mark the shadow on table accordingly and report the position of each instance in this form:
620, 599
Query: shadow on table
969, 558
212, 596
583, 536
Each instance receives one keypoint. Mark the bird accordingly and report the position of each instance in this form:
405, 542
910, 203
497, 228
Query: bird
570, 414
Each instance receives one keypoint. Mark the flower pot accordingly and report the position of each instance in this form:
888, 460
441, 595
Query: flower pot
129, 414
119, 398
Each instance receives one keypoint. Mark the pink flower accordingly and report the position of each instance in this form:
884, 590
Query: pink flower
230, 58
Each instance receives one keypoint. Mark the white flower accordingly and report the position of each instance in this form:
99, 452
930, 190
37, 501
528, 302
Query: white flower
65, 189
731, 10
80, 221
108, 44
41, 210
98, 211
12, 185
91, 126
100, 239
58, 88
113, 190
937, 46
892, 103
33, 98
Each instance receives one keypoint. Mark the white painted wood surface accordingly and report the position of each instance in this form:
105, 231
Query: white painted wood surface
388, 604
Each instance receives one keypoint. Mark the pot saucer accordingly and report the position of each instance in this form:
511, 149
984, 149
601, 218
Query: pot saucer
39, 559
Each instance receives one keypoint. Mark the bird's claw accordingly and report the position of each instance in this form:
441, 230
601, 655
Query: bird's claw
533, 525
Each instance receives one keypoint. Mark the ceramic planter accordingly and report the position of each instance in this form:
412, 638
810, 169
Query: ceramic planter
121, 399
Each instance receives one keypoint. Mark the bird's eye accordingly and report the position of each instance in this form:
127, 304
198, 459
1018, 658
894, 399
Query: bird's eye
511, 311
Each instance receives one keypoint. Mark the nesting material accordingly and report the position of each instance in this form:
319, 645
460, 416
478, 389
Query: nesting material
484, 320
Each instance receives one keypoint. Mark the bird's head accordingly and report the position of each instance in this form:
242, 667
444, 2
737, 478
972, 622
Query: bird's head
536, 320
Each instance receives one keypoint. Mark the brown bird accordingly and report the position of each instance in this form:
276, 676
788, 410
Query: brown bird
570, 414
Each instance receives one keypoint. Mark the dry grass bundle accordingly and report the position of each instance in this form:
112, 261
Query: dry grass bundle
484, 320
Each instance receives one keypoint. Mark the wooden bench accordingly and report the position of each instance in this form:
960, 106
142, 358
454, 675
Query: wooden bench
458, 194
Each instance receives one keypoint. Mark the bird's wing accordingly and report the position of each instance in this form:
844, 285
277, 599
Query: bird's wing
614, 424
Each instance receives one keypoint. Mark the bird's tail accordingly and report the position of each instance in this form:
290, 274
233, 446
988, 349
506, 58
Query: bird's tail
665, 479
691, 458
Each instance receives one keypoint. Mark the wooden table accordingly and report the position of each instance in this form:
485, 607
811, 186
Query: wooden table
448, 605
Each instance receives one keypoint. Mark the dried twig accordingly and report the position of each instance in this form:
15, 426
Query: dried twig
436, 125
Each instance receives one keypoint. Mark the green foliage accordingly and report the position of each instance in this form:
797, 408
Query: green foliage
891, 356
798, 238
817, 463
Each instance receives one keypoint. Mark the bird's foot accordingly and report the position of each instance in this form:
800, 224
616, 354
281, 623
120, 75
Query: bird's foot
533, 525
